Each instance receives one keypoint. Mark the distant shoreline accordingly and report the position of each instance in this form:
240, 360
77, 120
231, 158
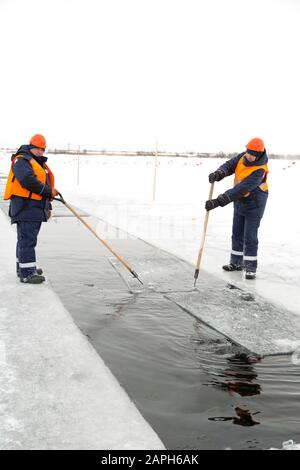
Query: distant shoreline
140, 153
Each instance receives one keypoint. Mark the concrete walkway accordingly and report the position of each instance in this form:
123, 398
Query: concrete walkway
55, 391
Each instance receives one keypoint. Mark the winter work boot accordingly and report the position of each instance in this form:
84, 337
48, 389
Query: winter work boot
33, 279
38, 271
250, 275
232, 267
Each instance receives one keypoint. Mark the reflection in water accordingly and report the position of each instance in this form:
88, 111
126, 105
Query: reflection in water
231, 369
243, 417
238, 376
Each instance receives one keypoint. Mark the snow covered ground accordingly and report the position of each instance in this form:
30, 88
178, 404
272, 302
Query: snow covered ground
55, 390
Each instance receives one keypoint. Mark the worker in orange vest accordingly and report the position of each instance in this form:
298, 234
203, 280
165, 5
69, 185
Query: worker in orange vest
249, 195
30, 189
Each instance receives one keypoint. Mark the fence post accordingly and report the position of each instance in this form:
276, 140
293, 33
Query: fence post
78, 165
154, 176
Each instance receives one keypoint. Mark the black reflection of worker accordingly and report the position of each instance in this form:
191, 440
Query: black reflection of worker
243, 417
239, 376
239, 379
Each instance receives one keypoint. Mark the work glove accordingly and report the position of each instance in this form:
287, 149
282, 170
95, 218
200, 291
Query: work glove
46, 192
211, 204
54, 193
217, 175
221, 200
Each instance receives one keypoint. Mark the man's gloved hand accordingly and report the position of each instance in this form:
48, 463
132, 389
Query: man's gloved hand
221, 200
217, 175
54, 193
211, 204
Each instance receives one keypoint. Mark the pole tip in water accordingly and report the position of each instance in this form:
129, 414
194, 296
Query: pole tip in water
196, 276
136, 276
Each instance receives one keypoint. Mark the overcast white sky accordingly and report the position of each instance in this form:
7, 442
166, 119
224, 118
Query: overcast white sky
204, 75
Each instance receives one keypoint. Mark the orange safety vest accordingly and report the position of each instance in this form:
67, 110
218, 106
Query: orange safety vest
14, 188
242, 172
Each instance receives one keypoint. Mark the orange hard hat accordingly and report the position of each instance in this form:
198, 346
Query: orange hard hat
38, 140
256, 144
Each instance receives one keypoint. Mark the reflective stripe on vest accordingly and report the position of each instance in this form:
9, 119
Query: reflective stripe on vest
14, 188
242, 172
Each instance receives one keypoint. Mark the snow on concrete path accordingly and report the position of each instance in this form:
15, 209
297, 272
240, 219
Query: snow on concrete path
55, 390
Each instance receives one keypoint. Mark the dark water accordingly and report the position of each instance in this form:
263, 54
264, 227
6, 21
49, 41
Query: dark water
195, 388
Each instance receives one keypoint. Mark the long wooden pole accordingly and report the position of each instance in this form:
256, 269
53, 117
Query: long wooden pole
211, 189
